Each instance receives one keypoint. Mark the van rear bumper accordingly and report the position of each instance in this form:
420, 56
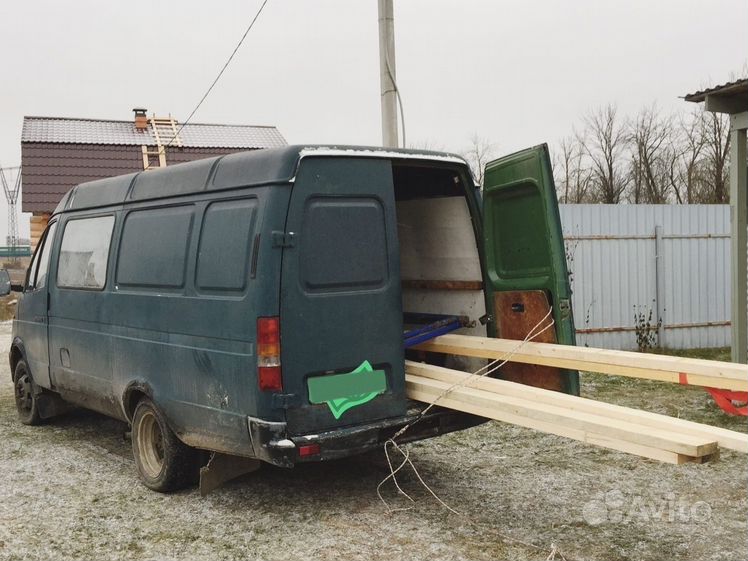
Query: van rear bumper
272, 444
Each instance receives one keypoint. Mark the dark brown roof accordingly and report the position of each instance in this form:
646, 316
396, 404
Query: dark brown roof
59, 153
730, 88
192, 135
51, 169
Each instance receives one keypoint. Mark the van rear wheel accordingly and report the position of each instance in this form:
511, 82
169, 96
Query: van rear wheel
26, 403
164, 462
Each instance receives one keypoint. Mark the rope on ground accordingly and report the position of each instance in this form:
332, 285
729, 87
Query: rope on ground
489, 368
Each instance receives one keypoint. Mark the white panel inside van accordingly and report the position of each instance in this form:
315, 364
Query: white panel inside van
437, 243
437, 240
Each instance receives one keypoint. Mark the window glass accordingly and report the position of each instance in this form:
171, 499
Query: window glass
84, 252
41, 275
225, 245
344, 246
32, 268
153, 250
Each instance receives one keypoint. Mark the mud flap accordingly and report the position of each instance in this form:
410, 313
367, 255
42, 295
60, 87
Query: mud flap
50, 405
222, 468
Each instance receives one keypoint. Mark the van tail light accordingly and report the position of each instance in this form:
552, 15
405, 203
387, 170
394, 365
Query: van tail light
306, 450
268, 354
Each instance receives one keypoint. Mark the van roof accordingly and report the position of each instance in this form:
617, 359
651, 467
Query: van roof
241, 169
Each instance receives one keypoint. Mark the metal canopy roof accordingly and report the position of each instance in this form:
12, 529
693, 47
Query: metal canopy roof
730, 88
728, 98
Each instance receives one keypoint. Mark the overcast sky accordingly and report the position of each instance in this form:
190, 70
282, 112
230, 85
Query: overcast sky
515, 72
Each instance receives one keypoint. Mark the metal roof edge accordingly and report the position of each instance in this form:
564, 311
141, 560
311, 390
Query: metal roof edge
130, 121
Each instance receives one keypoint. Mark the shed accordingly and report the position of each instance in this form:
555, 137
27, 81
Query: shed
58, 153
732, 98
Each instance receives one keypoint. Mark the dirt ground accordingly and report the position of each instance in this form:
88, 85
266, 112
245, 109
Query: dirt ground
69, 491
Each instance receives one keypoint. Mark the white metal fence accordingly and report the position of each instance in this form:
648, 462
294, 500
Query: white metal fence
671, 259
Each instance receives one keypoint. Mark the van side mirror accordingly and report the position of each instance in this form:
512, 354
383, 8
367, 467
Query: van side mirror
5, 285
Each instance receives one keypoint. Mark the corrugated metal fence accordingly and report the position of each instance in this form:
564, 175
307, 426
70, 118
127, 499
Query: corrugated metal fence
671, 259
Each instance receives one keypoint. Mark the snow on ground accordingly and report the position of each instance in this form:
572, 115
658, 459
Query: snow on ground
69, 491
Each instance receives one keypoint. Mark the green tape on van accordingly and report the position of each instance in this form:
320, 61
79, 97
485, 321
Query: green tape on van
342, 392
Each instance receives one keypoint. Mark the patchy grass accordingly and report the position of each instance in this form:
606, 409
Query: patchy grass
714, 353
686, 402
8, 306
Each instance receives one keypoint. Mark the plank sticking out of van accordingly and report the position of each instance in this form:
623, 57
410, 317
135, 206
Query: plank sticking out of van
252, 305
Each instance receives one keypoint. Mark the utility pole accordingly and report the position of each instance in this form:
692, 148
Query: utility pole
388, 91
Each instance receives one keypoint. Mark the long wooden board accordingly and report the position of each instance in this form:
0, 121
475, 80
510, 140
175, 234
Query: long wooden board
725, 438
709, 373
500, 405
555, 428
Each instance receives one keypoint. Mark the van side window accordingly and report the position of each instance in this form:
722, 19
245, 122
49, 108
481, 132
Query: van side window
153, 250
225, 245
84, 253
40, 263
343, 244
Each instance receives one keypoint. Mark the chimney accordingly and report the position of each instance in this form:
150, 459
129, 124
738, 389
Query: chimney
141, 119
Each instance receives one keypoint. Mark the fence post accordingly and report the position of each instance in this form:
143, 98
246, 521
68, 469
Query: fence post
659, 285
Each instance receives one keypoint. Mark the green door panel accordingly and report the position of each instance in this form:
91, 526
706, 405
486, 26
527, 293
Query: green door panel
524, 245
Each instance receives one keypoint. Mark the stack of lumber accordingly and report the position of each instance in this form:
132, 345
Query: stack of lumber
709, 373
620, 428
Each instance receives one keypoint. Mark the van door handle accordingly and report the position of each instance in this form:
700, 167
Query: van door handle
40, 319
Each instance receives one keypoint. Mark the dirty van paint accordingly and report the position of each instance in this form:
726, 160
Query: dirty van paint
144, 296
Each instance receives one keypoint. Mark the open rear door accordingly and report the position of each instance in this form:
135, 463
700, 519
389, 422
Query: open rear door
526, 262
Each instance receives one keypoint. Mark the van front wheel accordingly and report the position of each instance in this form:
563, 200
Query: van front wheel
26, 404
164, 462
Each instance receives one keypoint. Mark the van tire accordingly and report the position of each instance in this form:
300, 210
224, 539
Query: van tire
164, 462
23, 389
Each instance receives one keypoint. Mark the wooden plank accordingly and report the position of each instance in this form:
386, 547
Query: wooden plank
697, 372
516, 312
725, 438
688, 445
554, 428
146, 162
442, 284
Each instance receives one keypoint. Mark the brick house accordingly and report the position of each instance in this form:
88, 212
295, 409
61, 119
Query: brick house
58, 153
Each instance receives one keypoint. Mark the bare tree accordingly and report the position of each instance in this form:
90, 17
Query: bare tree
572, 173
480, 152
717, 152
605, 144
427, 144
654, 155
686, 162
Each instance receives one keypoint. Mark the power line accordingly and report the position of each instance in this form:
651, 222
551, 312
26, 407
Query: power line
223, 69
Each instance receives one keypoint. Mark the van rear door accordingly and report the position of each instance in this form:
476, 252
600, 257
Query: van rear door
526, 261
341, 312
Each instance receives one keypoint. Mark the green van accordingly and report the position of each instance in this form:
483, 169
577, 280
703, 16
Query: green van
258, 305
